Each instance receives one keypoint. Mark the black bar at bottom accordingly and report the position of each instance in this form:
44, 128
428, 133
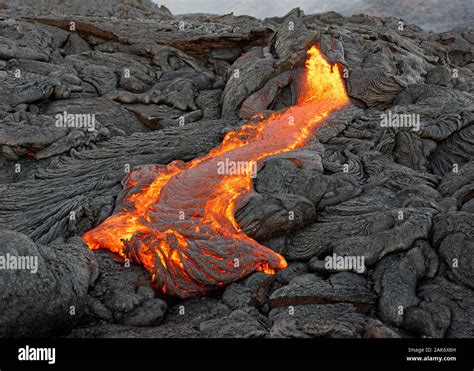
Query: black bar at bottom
430, 353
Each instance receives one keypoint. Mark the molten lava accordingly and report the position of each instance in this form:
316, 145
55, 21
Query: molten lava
178, 220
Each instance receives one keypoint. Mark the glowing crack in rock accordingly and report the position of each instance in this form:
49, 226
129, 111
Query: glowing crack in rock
178, 220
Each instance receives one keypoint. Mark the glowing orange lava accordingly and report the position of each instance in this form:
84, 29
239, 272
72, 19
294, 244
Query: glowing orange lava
178, 220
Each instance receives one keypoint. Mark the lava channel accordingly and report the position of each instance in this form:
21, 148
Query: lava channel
177, 220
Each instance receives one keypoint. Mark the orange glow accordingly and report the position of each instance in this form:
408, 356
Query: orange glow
180, 225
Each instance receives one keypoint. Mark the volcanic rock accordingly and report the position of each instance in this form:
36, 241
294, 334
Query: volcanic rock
312, 289
265, 216
292, 39
245, 76
453, 235
167, 88
194, 311
294, 269
97, 174
396, 278
280, 175
124, 294
446, 310
252, 291
325, 320
238, 324
113, 331
52, 291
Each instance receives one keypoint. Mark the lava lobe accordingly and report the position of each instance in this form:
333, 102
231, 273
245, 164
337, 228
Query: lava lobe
177, 220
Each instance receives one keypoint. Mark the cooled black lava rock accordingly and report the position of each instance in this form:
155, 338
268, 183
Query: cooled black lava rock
164, 88
47, 293
339, 288
122, 294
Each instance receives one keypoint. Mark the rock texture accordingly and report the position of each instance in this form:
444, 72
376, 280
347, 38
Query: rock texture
49, 297
380, 242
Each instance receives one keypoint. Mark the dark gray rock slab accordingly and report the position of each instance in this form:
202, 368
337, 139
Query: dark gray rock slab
252, 291
326, 320
396, 277
241, 323
245, 76
446, 310
338, 288
124, 291
280, 175
51, 297
453, 234
265, 216
292, 39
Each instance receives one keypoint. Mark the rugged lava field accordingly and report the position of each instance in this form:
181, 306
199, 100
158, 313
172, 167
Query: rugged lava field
357, 220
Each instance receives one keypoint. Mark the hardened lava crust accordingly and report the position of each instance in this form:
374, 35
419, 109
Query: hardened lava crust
199, 175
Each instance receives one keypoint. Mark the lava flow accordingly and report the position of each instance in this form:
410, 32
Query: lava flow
178, 220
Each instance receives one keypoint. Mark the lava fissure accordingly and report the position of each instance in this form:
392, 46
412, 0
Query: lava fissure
178, 220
